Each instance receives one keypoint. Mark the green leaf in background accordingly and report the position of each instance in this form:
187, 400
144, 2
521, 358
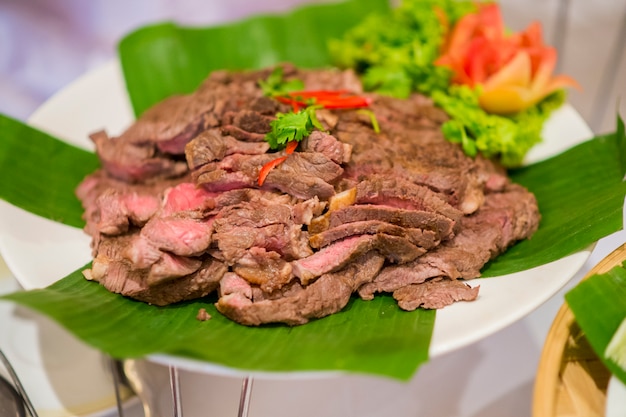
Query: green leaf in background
599, 305
167, 59
39, 173
366, 337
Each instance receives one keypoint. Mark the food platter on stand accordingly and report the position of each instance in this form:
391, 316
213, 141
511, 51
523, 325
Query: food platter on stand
99, 101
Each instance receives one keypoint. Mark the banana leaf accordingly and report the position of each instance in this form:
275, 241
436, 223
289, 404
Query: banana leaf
167, 59
599, 306
48, 192
577, 209
366, 337
370, 337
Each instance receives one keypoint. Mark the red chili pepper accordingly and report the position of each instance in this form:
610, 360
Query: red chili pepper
330, 99
319, 93
291, 147
265, 170
292, 101
346, 102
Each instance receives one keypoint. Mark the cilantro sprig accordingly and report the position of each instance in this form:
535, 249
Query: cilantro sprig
276, 85
292, 126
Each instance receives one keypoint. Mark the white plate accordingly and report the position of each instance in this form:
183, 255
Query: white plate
99, 101
62, 376
615, 398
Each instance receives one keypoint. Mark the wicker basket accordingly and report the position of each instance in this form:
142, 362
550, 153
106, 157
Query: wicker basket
571, 379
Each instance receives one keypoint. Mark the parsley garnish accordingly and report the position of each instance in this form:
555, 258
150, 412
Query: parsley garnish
274, 85
292, 126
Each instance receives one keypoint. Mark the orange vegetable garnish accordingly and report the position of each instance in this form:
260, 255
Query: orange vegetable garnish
514, 71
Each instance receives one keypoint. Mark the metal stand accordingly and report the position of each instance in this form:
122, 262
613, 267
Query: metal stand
244, 400
176, 397
18, 385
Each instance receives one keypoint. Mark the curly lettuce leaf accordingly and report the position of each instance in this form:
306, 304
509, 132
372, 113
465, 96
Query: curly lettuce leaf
506, 138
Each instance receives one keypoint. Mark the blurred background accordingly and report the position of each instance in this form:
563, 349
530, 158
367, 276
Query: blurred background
46, 44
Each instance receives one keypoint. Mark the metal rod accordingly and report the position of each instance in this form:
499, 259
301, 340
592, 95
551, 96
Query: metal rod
244, 400
117, 386
18, 385
175, 386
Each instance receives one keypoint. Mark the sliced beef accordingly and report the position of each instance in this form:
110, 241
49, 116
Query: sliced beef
244, 135
426, 239
210, 146
341, 253
506, 218
219, 180
170, 267
177, 207
412, 147
327, 295
187, 197
303, 175
434, 294
113, 207
259, 224
303, 185
267, 269
441, 225
265, 106
399, 193
171, 123
304, 212
309, 163
135, 162
179, 235
330, 79
168, 281
118, 211
328, 146
252, 121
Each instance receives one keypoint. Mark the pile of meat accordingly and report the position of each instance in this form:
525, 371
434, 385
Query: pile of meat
176, 211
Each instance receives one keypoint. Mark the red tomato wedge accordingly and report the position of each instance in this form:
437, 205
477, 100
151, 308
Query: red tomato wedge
515, 71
